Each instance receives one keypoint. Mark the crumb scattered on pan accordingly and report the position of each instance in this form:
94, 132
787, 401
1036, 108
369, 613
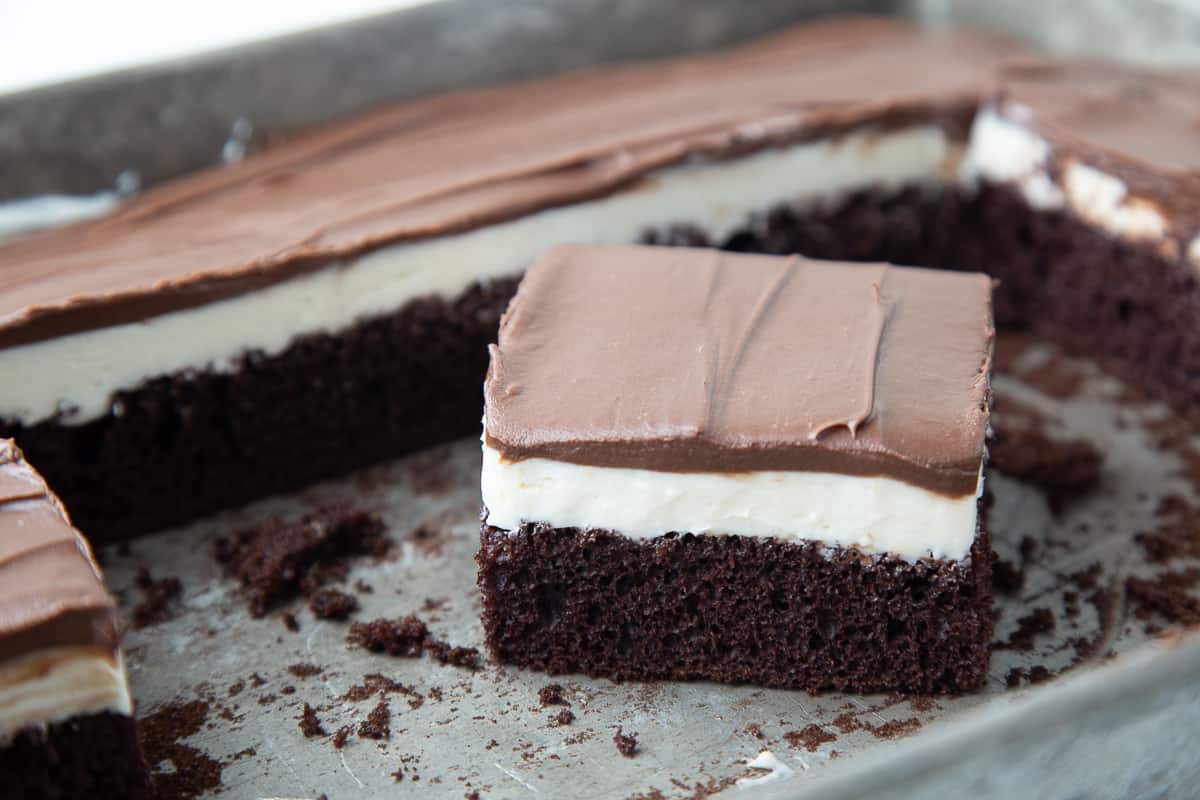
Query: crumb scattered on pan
179, 770
396, 637
158, 598
332, 604
310, 723
304, 670
1037, 622
810, 737
377, 725
279, 559
627, 743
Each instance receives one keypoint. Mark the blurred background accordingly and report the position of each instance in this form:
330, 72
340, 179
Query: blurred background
103, 98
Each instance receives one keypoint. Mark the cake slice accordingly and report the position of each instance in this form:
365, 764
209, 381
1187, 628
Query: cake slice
66, 717
1086, 207
766, 469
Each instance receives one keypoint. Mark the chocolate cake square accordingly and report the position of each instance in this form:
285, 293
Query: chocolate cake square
705, 465
66, 717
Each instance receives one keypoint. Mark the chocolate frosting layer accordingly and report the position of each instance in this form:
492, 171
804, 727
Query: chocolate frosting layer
689, 360
461, 160
1140, 124
51, 590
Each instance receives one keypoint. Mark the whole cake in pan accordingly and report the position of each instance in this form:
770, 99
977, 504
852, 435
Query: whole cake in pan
328, 304
700, 464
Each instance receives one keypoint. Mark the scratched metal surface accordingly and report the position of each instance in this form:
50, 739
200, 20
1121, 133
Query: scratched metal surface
487, 733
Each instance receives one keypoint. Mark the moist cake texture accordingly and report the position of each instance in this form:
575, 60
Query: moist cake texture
827, 417
66, 725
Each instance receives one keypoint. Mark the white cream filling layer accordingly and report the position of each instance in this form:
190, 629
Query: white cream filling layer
875, 515
53, 685
82, 371
1003, 150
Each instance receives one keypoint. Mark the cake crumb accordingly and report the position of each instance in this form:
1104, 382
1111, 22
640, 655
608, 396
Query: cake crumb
564, 717
290, 622
1167, 596
895, 728
191, 772
1029, 627
1007, 578
158, 598
377, 725
397, 637
304, 670
627, 743
278, 560
332, 604
310, 724
810, 737
552, 695
339, 738
455, 656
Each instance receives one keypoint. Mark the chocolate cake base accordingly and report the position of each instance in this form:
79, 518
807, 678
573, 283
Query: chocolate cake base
95, 757
734, 609
186, 445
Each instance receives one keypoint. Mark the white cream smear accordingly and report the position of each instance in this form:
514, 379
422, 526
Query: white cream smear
54, 685
875, 515
1003, 150
719, 197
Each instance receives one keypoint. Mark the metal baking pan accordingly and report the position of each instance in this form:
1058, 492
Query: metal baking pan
1123, 722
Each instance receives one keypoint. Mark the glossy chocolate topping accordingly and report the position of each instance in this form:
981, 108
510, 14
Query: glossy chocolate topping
1142, 125
466, 159
51, 591
699, 360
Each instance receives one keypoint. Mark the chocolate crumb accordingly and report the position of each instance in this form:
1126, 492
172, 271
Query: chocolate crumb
895, 728
454, 656
397, 637
563, 717
552, 695
1007, 578
1166, 596
304, 670
810, 737
339, 738
1013, 679
332, 604
1039, 674
310, 724
236, 688
290, 622
289, 689
191, 772
277, 560
627, 743
375, 683
755, 730
846, 722
377, 725
158, 598
362, 587
257, 680
1029, 627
